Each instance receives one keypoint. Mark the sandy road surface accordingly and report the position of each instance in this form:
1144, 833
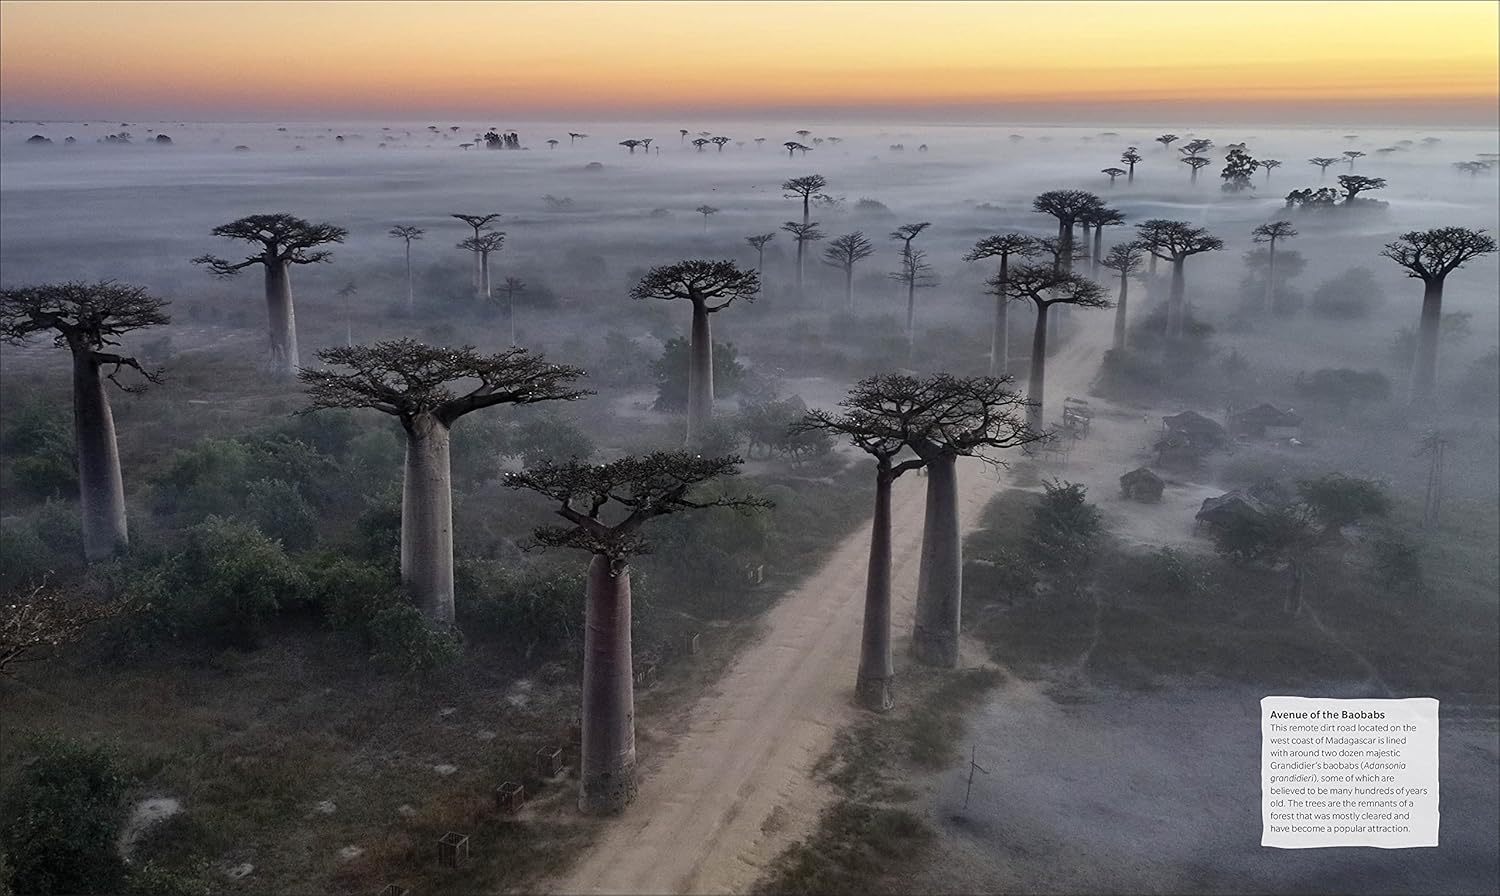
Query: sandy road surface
736, 787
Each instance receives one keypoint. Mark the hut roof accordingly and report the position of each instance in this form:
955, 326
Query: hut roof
1230, 506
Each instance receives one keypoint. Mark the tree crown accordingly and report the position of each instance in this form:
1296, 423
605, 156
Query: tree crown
803, 233
283, 238
759, 240
700, 282
803, 187
1045, 285
1431, 255
1274, 230
1125, 257
844, 251
406, 232
1065, 205
1176, 240
1003, 245
85, 317
485, 243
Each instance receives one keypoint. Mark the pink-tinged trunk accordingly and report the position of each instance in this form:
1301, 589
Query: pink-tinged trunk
1424, 373
700, 375
1120, 318
427, 519
876, 667
282, 317
607, 765
101, 488
1036, 384
1000, 334
934, 639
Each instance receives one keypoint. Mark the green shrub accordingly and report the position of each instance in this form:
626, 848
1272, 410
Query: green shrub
402, 641
61, 815
214, 476
1064, 531
671, 372
548, 437
366, 601
281, 512
38, 443
45, 545
1397, 564
535, 609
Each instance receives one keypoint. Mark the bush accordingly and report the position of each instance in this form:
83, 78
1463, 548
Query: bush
39, 441
1397, 564
1351, 295
61, 816
1064, 531
50, 542
534, 609
280, 511
548, 437
213, 476
402, 641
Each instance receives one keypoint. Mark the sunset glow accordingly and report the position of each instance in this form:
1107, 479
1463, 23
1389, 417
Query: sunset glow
257, 60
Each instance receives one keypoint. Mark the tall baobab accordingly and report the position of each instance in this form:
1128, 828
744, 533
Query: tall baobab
1004, 246
1271, 234
282, 241
347, 292
479, 223
1066, 206
88, 318
802, 234
630, 145
806, 188
572, 136
1176, 241
1322, 162
1355, 184
705, 211
710, 287
552, 143
699, 143
1044, 286
719, 142
1112, 173
1197, 163
843, 253
510, 287
1129, 157
1351, 155
792, 146
1166, 140
482, 245
1125, 258
916, 274
682, 134
1430, 256
758, 242
646, 143
407, 233
415, 383
640, 488
1098, 219
1195, 147
1269, 165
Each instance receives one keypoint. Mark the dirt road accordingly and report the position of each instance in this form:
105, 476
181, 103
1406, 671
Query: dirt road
736, 787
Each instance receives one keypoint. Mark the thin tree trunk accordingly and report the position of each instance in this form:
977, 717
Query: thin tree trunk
849, 287
510, 314
1270, 300
1120, 311
411, 292
1424, 373
427, 519
1130, 178
101, 488
607, 762
940, 577
700, 375
1036, 385
911, 317
1000, 335
282, 317
800, 293
876, 667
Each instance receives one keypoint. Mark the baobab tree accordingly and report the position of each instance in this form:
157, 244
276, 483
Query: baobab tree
699, 142
682, 134
630, 145
416, 383
1129, 157
1195, 147
407, 233
1351, 155
792, 146
1003, 246
1098, 219
482, 245
1166, 140
1473, 168
88, 318
806, 188
1322, 163
705, 211
575, 136
1269, 165
1066, 206
552, 143
916, 274
804, 133
511, 287
282, 241
719, 142
1355, 184
347, 292
1126, 259
1271, 234
710, 287
480, 223
1430, 256
843, 253
759, 141
639, 489
758, 242
802, 234
1197, 163
646, 143
1176, 241
1044, 286
1112, 173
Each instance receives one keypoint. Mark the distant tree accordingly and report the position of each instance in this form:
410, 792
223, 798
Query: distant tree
1003, 246
482, 245
802, 234
1166, 140
646, 143
699, 143
759, 141
758, 242
1112, 174
1239, 167
1354, 184
843, 253
705, 211
572, 136
1194, 148
1197, 163
552, 143
511, 287
347, 292
804, 133
1130, 157
415, 383
630, 145
793, 146
1176, 241
1269, 165
710, 287
1045, 286
719, 142
1270, 234
1125, 258
683, 132
1430, 256
281, 241
88, 318
1474, 168
1322, 162
1067, 206
1308, 199
407, 233
1351, 155
806, 188
1096, 219
480, 223
639, 489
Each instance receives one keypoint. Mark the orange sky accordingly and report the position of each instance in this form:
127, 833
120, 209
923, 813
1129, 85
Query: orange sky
227, 60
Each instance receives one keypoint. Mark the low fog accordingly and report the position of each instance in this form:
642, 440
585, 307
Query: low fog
245, 674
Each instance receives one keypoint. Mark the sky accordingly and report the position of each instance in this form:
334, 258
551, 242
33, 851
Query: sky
964, 62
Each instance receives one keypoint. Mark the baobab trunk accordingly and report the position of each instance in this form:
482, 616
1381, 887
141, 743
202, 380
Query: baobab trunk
800, 293
1098, 250
510, 314
478, 265
607, 760
876, 667
934, 639
911, 316
1120, 312
1000, 335
700, 375
101, 489
1175, 311
1086, 244
282, 317
1036, 383
411, 292
1270, 299
482, 281
1424, 373
849, 287
427, 519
